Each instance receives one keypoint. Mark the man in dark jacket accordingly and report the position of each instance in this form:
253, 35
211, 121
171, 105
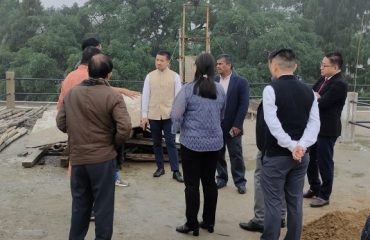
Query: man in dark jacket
237, 101
331, 91
96, 119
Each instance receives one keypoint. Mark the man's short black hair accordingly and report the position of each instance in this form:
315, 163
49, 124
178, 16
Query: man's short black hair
335, 58
228, 58
90, 42
100, 66
286, 54
285, 58
88, 53
164, 53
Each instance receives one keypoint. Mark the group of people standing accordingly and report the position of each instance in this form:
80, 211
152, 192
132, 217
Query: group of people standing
293, 121
209, 113
301, 126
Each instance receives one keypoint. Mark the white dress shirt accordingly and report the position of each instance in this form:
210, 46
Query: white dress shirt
310, 133
225, 82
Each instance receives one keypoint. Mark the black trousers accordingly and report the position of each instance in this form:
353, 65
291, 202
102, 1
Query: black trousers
92, 185
199, 166
322, 165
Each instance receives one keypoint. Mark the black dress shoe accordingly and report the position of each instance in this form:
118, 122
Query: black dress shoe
177, 175
251, 226
220, 184
242, 189
159, 172
309, 194
208, 227
185, 229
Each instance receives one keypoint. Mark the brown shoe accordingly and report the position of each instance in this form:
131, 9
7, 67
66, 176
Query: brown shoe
319, 202
309, 194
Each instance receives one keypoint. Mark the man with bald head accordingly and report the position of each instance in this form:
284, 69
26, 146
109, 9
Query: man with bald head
96, 119
292, 118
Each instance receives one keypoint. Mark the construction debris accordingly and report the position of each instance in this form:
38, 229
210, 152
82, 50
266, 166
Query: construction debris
14, 123
18, 116
10, 135
32, 156
46, 139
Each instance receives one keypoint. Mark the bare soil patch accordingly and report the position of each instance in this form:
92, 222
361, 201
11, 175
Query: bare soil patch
337, 225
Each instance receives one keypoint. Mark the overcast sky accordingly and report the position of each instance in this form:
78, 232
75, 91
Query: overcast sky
59, 3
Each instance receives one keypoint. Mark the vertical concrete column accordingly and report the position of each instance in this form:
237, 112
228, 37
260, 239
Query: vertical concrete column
10, 89
349, 114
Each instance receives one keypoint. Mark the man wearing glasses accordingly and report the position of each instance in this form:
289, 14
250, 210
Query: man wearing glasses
331, 91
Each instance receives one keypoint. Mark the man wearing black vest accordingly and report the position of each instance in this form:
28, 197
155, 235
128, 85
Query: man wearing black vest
256, 223
292, 117
331, 92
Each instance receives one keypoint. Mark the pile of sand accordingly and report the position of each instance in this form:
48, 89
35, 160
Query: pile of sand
337, 225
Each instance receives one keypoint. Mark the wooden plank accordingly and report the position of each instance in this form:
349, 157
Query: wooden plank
20, 133
141, 141
33, 156
143, 156
145, 142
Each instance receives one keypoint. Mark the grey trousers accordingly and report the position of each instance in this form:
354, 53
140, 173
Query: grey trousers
281, 176
259, 205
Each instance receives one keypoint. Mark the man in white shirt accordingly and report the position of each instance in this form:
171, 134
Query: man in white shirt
292, 118
159, 91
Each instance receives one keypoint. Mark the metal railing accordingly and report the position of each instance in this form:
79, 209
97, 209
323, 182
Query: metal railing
28, 89
48, 89
361, 123
364, 124
361, 103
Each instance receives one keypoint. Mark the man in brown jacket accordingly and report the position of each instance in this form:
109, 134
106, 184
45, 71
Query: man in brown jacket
96, 119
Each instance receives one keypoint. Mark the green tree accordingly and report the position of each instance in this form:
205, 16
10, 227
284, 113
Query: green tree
24, 24
39, 42
29, 64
